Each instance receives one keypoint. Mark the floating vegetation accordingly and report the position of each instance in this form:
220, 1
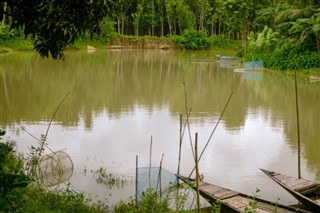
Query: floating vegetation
110, 180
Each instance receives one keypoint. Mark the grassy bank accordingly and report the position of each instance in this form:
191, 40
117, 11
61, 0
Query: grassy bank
15, 44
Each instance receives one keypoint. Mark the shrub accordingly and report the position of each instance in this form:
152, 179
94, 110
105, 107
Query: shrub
37, 198
193, 40
19, 194
149, 203
6, 33
217, 41
12, 174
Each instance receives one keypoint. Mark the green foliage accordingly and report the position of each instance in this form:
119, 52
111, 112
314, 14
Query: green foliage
37, 198
11, 174
216, 207
184, 16
7, 33
54, 25
107, 29
252, 207
289, 57
198, 40
220, 42
266, 41
17, 194
149, 203
193, 40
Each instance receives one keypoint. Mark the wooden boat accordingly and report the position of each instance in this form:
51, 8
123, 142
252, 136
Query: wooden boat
232, 201
314, 79
227, 58
201, 60
238, 70
306, 191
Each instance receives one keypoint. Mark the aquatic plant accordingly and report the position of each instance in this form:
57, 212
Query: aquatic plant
252, 207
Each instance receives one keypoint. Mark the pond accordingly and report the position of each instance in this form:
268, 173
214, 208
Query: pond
119, 99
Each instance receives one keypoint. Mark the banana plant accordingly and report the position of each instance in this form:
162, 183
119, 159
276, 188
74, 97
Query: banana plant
266, 40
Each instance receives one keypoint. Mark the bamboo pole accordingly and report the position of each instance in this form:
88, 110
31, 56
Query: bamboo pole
160, 188
298, 125
214, 129
197, 171
180, 144
150, 162
188, 114
136, 180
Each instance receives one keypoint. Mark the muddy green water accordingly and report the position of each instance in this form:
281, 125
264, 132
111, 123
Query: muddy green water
120, 98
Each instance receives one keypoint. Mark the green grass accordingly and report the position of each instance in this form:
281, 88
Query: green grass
16, 43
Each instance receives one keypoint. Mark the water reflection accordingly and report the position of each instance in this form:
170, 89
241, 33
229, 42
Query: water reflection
119, 98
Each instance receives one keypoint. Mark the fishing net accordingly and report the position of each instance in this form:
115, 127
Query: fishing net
253, 66
54, 168
156, 179
253, 70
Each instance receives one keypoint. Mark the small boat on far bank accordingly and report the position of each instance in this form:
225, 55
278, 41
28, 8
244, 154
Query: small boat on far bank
314, 79
201, 60
232, 201
227, 58
305, 191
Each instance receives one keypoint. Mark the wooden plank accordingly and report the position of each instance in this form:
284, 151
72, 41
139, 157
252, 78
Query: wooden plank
288, 180
226, 194
219, 192
237, 202
306, 191
300, 185
266, 207
241, 203
295, 183
203, 184
279, 176
317, 201
214, 191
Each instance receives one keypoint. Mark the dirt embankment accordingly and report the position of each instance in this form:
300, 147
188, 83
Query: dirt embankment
141, 43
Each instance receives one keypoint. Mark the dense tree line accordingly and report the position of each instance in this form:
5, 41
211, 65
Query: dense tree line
218, 17
57, 23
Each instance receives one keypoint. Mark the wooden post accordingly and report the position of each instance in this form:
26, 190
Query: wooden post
298, 126
180, 144
136, 180
160, 177
197, 171
150, 162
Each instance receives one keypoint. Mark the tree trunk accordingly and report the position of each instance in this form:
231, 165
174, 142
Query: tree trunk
219, 28
122, 26
152, 25
4, 12
169, 24
136, 29
161, 23
118, 25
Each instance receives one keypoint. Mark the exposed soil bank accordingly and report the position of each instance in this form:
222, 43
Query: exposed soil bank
141, 43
